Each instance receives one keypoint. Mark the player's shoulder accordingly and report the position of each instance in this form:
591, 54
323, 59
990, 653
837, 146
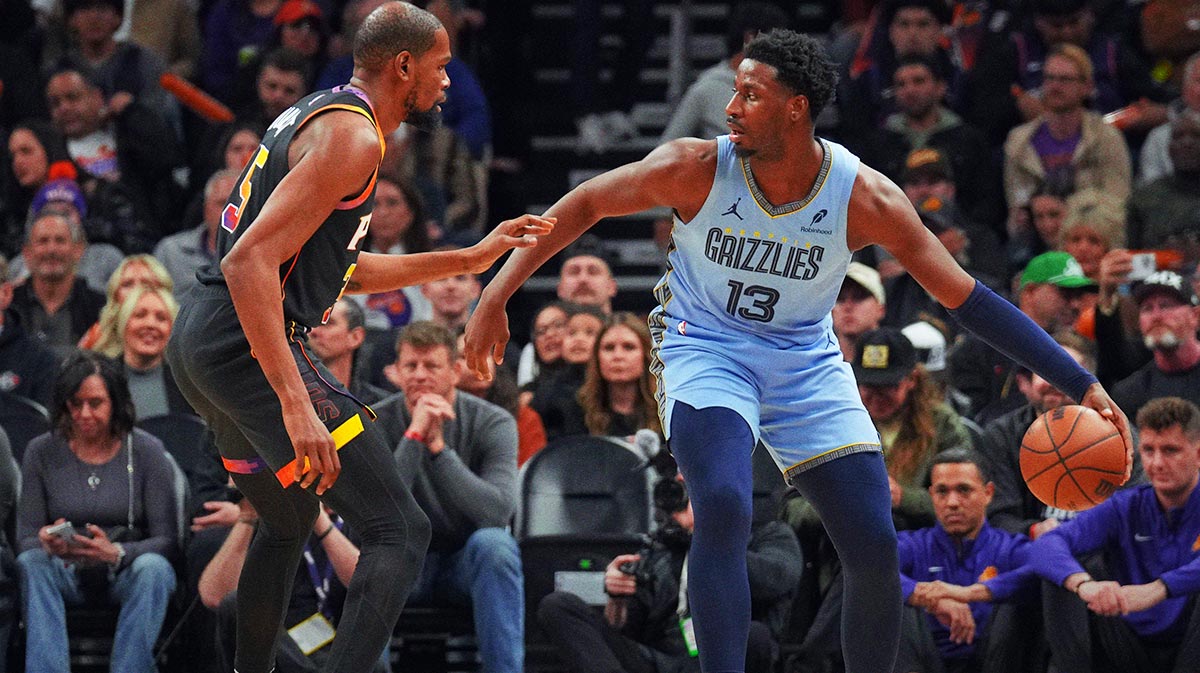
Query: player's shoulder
685, 154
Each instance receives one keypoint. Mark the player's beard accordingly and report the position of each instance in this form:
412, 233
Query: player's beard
425, 120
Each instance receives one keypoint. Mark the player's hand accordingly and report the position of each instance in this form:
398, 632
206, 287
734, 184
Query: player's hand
521, 232
957, 617
486, 337
1103, 598
316, 454
221, 514
617, 583
1097, 399
1138, 597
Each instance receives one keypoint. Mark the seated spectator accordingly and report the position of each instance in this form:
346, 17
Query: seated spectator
436, 161
133, 271
95, 471
954, 574
1051, 293
184, 253
554, 396
465, 110
54, 304
922, 121
231, 150
543, 353
860, 307
144, 320
330, 554
24, 363
1139, 615
109, 146
399, 225
124, 70
906, 28
1009, 86
1066, 145
337, 343
586, 277
502, 391
340, 67
640, 629
301, 31
1035, 226
451, 299
1168, 317
1165, 213
282, 79
617, 397
33, 146
1154, 161
1014, 507
914, 424
459, 454
1093, 224
701, 111
234, 31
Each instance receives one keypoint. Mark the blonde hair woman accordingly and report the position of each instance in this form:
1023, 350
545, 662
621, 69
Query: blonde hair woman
133, 271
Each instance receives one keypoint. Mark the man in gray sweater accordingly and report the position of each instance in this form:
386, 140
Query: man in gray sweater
460, 454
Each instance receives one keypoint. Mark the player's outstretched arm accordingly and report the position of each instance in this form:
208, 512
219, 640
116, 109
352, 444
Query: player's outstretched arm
383, 273
880, 213
678, 174
333, 156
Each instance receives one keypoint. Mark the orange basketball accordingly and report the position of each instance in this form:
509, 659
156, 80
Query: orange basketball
1072, 458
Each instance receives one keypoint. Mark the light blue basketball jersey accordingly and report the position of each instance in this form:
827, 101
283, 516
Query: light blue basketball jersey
767, 272
744, 319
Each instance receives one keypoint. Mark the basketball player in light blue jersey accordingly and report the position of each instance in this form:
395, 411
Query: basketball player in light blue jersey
766, 219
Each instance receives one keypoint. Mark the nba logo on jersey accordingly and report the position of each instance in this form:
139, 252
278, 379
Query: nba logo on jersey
683, 327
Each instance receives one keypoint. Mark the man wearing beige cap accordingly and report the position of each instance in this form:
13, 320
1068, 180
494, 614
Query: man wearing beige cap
859, 307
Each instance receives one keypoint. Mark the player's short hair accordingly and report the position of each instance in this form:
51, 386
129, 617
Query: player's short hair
390, 29
1166, 412
426, 334
800, 65
958, 455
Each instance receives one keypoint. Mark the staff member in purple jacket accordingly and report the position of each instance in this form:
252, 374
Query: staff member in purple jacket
953, 573
1144, 616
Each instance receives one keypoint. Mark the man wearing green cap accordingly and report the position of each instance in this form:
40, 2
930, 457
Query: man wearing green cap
1051, 293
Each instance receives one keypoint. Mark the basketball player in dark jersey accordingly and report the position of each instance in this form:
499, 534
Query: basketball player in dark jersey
289, 247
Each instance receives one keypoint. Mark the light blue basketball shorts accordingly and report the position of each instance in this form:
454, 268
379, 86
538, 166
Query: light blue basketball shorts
800, 401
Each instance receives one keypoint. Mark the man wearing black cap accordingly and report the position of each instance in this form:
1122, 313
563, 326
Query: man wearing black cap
1168, 317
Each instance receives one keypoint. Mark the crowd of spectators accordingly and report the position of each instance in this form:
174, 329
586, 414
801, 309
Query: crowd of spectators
1053, 147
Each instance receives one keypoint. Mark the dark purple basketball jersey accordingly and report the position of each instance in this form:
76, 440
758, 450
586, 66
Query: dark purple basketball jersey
313, 279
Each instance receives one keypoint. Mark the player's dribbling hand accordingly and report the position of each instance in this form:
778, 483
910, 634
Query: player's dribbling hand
520, 232
314, 448
486, 338
1096, 398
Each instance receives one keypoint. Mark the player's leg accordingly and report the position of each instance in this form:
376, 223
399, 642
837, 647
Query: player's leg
285, 520
713, 448
851, 495
394, 533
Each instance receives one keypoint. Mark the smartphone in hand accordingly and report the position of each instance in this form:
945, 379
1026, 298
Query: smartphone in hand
64, 531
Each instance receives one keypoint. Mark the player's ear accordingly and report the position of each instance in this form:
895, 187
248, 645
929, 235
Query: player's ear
402, 63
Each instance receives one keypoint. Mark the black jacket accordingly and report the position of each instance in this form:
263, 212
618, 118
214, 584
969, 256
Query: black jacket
26, 367
83, 306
